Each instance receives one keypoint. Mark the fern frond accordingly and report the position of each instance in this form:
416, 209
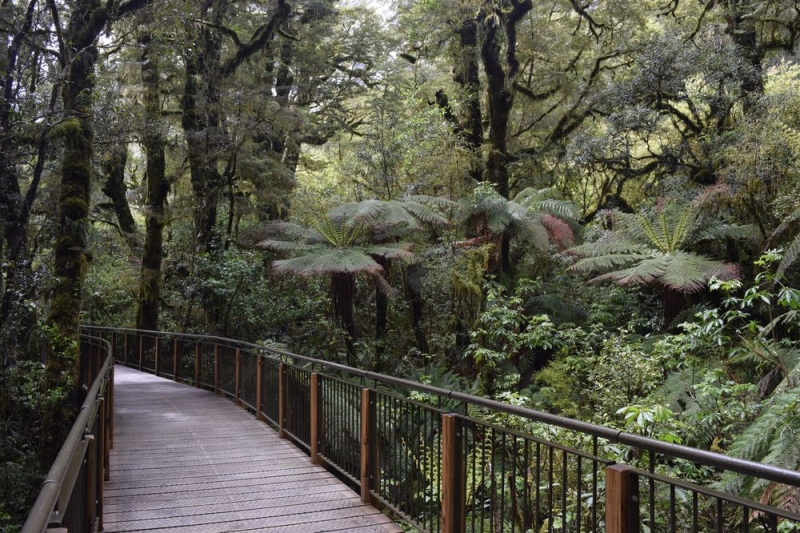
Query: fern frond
329, 261
790, 222
398, 251
532, 232
727, 231
643, 273
687, 272
790, 256
284, 246
425, 214
606, 261
559, 231
611, 245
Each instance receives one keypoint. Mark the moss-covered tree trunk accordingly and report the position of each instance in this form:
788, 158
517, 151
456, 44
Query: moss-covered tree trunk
114, 162
86, 22
500, 76
467, 75
201, 125
157, 189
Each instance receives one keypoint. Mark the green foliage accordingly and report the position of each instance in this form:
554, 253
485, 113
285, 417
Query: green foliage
645, 250
535, 217
110, 290
505, 341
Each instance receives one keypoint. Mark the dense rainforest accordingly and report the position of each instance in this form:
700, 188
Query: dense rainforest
584, 207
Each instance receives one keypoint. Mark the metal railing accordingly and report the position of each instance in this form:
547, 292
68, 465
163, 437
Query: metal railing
72, 492
448, 461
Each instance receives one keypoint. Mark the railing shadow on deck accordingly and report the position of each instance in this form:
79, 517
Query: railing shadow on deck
448, 461
71, 498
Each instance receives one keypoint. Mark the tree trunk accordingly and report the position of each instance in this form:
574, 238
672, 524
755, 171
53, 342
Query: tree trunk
500, 97
381, 314
201, 126
413, 277
467, 75
116, 190
674, 303
343, 289
76, 178
157, 189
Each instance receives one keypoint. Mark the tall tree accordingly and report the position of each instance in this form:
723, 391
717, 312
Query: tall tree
153, 140
87, 21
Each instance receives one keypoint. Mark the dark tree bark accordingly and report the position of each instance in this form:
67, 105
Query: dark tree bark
88, 19
202, 121
413, 277
201, 125
500, 83
157, 189
500, 95
116, 190
467, 75
343, 288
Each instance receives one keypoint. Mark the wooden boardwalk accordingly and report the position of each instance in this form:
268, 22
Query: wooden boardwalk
185, 460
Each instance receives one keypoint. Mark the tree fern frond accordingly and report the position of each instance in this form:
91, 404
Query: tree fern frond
532, 232
284, 246
790, 256
547, 201
425, 214
559, 231
606, 261
437, 201
691, 273
329, 261
399, 251
643, 273
726, 231
790, 222
368, 211
659, 239
612, 245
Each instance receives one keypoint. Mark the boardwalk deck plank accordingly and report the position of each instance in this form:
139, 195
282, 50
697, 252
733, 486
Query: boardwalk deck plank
186, 460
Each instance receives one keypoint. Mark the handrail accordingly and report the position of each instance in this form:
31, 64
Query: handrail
706, 458
438, 464
59, 482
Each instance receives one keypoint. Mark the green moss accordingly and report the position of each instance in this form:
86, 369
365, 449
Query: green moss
67, 128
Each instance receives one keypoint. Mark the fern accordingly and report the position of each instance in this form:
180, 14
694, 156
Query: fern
773, 438
656, 249
533, 216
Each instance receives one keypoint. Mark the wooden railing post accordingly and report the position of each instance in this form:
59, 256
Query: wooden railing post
125, 347
622, 499
156, 354
216, 368
100, 446
111, 408
453, 474
283, 385
237, 370
369, 444
259, 387
175, 359
317, 421
197, 364
141, 351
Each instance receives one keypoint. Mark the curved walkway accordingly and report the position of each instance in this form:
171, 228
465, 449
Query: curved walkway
185, 460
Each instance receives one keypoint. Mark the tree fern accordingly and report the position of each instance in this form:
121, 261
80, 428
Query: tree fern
340, 246
790, 224
535, 217
656, 249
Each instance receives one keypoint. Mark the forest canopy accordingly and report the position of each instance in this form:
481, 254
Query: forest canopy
588, 208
